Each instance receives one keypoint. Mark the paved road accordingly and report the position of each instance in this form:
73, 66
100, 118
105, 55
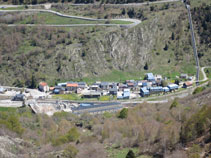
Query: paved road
134, 21
128, 4
193, 43
204, 74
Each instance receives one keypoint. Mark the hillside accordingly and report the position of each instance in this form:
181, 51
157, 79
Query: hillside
16, 2
106, 53
177, 129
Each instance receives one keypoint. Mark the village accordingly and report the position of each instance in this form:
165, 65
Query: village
130, 89
95, 98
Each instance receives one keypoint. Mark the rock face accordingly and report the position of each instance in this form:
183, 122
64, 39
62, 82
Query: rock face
12, 147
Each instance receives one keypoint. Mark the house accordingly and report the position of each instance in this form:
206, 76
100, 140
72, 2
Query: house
51, 89
113, 91
187, 84
144, 92
19, 97
184, 76
82, 85
144, 83
122, 86
120, 95
156, 89
190, 78
58, 90
173, 87
158, 77
150, 77
123, 94
94, 87
104, 85
43, 87
62, 84
2, 90
72, 87
130, 84
91, 94
166, 89
126, 94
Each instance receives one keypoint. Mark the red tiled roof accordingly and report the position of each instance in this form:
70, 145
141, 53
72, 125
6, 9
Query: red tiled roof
43, 84
72, 85
188, 83
51, 88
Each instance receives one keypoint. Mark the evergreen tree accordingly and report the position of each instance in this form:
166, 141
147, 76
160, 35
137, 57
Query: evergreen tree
172, 36
33, 82
146, 66
123, 113
130, 154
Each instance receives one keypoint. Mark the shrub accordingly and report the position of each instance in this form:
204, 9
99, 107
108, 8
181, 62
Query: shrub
130, 154
70, 152
174, 104
198, 90
123, 113
71, 136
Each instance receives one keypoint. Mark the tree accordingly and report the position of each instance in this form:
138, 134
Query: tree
163, 83
33, 82
146, 66
130, 154
172, 36
174, 104
123, 113
166, 47
123, 11
177, 81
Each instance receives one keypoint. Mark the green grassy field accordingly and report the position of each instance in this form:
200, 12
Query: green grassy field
7, 109
121, 153
13, 8
48, 18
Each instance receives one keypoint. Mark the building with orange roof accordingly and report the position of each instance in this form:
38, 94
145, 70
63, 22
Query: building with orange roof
43, 87
72, 87
187, 84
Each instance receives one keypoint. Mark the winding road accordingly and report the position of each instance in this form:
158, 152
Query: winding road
134, 21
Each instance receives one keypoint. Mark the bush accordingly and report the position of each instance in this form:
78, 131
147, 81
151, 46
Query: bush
70, 152
130, 154
174, 104
71, 136
123, 113
198, 90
